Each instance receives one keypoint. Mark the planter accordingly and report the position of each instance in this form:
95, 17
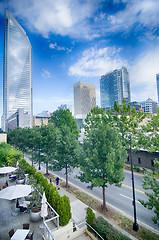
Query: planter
20, 180
35, 215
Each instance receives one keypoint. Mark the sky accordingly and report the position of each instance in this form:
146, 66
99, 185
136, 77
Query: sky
81, 40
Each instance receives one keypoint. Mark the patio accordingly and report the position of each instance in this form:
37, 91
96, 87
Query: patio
7, 221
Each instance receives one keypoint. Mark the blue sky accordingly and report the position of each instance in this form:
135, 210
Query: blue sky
75, 40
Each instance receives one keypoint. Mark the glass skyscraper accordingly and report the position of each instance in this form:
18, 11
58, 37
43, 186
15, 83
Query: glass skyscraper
157, 79
17, 72
115, 86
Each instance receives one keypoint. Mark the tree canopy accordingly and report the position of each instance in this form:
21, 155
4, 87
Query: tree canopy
104, 156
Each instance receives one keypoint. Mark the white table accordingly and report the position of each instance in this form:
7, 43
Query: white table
20, 234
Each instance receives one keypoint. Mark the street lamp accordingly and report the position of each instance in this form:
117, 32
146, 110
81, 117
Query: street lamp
135, 224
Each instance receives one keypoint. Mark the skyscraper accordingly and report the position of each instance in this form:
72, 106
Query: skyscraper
84, 98
17, 73
157, 79
115, 86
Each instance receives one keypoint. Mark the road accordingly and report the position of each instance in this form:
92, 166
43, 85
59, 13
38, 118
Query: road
119, 198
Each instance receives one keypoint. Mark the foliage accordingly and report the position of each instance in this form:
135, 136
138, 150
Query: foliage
126, 120
90, 216
36, 196
8, 155
148, 138
64, 117
106, 230
103, 158
67, 151
150, 183
64, 210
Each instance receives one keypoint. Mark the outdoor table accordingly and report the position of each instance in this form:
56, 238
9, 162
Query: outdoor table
20, 234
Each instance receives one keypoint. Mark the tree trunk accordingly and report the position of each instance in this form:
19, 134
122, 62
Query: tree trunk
47, 173
32, 160
66, 176
104, 202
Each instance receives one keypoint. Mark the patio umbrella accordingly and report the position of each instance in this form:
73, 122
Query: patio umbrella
15, 191
4, 170
44, 211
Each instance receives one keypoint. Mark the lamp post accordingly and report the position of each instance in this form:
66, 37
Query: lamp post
135, 224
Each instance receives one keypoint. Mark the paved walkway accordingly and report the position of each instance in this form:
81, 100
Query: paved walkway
78, 208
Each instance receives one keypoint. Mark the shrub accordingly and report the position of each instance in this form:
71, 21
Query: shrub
106, 230
90, 216
64, 210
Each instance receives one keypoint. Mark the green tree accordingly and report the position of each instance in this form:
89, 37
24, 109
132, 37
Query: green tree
50, 138
148, 139
90, 216
150, 183
67, 151
103, 158
126, 120
64, 117
9, 155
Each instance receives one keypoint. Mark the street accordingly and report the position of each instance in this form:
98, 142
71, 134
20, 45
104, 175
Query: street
119, 198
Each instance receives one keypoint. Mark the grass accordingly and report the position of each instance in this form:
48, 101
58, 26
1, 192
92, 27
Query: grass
113, 216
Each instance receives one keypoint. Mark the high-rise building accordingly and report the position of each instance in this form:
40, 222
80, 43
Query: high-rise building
17, 73
157, 79
84, 98
65, 107
115, 86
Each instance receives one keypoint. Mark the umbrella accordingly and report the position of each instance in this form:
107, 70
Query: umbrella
4, 170
15, 191
44, 211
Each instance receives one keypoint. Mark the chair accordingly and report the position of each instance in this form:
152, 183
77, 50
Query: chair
11, 232
30, 236
25, 225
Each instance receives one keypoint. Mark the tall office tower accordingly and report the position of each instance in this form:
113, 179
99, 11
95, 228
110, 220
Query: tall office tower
84, 98
17, 73
157, 79
115, 86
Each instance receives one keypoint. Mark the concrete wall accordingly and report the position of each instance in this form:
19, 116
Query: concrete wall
143, 158
3, 137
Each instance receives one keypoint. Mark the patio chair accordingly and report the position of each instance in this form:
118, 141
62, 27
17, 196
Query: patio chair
11, 232
25, 225
30, 236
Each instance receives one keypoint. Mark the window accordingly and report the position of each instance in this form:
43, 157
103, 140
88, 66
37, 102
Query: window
152, 163
139, 160
128, 159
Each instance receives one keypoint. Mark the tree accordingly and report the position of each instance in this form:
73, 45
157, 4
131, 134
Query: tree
150, 183
50, 138
67, 151
64, 210
126, 120
103, 158
61, 117
148, 139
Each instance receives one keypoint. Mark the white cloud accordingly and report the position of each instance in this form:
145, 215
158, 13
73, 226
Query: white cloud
96, 62
59, 48
45, 73
143, 75
64, 17
143, 12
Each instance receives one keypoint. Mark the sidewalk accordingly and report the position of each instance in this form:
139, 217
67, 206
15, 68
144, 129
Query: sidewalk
78, 208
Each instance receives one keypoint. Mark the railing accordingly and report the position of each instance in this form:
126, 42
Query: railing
54, 217
75, 231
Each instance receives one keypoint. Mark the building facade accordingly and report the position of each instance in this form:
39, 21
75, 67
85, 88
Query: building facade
18, 119
84, 98
136, 105
115, 86
17, 72
149, 105
157, 79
